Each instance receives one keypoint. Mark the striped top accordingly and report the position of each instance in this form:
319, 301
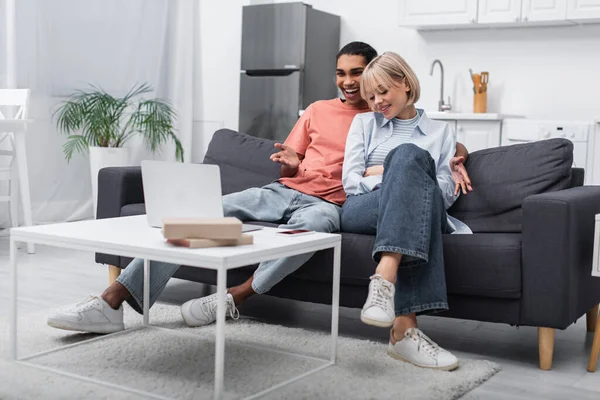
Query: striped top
402, 133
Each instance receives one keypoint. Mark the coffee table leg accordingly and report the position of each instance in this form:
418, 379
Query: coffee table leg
335, 302
14, 301
220, 335
146, 306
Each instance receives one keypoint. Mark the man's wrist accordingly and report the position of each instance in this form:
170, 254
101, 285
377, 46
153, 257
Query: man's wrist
287, 171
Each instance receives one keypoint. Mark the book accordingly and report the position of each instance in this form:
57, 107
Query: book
202, 228
204, 243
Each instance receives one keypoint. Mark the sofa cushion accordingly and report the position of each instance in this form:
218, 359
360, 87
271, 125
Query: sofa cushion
504, 176
243, 160
483, 264
487, 265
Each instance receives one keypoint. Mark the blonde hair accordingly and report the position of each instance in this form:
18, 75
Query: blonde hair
386, 71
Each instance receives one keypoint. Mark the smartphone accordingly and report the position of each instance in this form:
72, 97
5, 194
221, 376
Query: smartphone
295, 232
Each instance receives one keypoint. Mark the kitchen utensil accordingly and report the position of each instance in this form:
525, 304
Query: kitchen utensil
477, 83
471, 73
485, 77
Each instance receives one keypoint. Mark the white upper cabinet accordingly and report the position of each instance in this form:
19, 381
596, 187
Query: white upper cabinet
583, 10
424, 13
499, 11
544, 10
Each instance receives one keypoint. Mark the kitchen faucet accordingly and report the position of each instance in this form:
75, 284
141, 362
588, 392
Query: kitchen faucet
441, 105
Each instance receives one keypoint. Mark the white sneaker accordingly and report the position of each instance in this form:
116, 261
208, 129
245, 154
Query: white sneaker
416, 348
92, 315
203, 311
379, 307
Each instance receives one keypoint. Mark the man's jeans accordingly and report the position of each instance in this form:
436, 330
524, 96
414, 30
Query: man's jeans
272, 203
407, 216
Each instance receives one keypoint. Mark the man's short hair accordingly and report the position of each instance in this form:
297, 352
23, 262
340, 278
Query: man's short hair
358, 49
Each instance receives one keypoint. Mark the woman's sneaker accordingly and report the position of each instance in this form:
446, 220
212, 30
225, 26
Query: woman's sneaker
379, 308
92, 315
416, 348
203, 311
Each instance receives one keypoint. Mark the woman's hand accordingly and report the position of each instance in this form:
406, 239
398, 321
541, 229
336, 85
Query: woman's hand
286, 156
374, 170
460, 175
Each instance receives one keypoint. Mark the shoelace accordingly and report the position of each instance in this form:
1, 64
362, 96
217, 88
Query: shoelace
211, 303
85, 304
381, 292
428, 345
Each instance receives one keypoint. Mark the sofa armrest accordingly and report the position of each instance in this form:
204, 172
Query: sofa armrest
558, 233
117, 187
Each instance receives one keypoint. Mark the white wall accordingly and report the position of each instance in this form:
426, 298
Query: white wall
217, 59
534, 72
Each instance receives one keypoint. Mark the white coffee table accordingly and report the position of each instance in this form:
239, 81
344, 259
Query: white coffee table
131, 237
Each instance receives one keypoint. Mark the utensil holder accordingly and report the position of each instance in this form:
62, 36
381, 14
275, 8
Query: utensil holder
480, 102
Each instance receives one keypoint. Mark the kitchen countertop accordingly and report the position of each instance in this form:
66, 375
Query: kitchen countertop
459, 116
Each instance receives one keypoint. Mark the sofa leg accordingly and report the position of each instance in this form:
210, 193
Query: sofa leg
546, 347
591, 317
595, 348
113, 274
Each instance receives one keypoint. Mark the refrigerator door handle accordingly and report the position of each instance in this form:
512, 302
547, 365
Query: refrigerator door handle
270, 72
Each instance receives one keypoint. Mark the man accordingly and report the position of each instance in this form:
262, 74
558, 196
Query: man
307, 196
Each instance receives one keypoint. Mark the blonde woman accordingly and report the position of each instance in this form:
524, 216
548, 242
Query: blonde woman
398, 177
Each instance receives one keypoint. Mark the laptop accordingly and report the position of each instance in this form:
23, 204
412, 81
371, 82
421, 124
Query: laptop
178, 190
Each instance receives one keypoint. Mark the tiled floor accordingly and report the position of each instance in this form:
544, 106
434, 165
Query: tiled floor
54, 277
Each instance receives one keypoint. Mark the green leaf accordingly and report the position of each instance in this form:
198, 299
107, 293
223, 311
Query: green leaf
75, 143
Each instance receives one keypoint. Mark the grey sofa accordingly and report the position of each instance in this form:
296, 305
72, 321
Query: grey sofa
528, 262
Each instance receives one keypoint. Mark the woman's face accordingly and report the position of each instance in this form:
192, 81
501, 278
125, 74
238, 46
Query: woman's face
391, 102
347, 78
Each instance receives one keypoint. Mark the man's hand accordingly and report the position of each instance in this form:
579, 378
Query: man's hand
460, 175
374, 170
286, 156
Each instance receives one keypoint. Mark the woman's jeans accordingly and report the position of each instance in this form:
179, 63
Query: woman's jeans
407, 215
272, 203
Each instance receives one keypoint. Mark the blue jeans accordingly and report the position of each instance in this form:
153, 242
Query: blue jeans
272, 203
407, 215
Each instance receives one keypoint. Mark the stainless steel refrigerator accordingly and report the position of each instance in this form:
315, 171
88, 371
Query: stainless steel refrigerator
288, 62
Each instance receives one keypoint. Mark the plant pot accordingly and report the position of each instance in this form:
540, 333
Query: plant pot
102, 157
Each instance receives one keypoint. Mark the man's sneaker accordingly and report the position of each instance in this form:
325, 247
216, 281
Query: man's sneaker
379, 308
92, 315
416, 348
203, 311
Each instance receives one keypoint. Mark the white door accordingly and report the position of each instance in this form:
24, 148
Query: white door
499, 11
478, 135
544, 10
583, 10
437, 12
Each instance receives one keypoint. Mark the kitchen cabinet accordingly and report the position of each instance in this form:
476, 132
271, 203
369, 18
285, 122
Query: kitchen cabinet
583, 10
475, 131
415, 13
544, 10
499, 11
478, 135
461, 14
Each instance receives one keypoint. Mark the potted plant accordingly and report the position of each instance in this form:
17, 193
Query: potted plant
101, 123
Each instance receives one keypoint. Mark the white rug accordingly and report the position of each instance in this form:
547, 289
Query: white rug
181, 367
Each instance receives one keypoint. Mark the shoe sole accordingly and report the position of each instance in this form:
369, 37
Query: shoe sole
397, 356
374, 322
101, 329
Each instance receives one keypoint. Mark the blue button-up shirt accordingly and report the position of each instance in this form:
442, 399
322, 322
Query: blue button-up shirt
368, 130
